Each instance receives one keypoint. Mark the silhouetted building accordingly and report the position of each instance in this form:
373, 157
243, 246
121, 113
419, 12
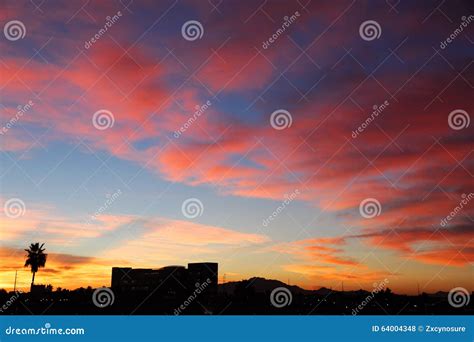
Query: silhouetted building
41, 289
204, 271
169, 280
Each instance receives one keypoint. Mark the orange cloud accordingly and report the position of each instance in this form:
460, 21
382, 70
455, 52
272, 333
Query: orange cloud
314, 251
172, 241
447, 246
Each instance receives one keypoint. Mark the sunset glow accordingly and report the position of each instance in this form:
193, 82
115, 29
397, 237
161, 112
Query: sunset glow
367, 179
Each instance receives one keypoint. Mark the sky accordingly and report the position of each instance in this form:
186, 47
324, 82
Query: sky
314, 142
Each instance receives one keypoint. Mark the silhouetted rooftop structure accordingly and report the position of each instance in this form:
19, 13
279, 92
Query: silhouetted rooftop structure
169, 280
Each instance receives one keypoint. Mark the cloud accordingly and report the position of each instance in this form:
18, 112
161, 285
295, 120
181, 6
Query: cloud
446, 246
320, 71
42, 220
441, 246
172, 241
321, 251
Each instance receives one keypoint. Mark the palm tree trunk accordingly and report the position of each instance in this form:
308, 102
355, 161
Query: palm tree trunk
32, 281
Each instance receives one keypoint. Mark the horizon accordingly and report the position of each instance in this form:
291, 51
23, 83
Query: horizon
318, 143
221, 282
315, 287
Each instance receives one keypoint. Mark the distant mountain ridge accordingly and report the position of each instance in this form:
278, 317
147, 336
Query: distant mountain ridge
260, 285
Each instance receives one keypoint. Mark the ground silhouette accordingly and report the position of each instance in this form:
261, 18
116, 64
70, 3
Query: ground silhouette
246, 297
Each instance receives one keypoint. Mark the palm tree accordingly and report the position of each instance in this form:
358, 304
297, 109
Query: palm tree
35, 259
